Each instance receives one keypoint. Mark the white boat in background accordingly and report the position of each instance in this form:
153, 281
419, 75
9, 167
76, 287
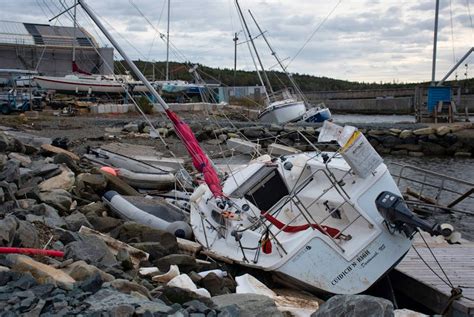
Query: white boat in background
283, 111
297, 107
89, 84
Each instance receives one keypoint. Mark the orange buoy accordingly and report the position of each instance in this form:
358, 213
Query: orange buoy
109, 170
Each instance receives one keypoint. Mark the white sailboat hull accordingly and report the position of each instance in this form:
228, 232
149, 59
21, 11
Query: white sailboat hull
309, 257
283, 111
80, 85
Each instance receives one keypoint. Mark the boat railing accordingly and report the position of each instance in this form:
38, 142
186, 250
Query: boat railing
428, 192
281, 95
303, 210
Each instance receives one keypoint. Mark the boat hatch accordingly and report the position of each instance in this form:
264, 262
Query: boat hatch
264, 188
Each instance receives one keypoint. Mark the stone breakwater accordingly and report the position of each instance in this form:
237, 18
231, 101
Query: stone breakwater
453, 140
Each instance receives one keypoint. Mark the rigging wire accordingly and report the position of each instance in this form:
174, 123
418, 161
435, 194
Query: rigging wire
314, 32
452, 34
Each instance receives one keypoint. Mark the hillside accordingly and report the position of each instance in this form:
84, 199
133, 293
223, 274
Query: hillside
278, 80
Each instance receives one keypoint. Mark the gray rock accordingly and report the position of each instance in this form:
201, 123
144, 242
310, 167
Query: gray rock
106, 299
123, 257
58, 198
47, 215
214, 284
90, 249
248, 304
81, 271
76, 220
122, 311
196, 306
355, 306
24, 160
430, 148
131, 127
132, 232
93, 283
104, 224
155, 249
10, 172
26, 235
7, 230
186, 263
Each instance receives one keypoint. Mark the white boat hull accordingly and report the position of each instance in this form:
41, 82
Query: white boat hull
88, 86
310, 257
283, 112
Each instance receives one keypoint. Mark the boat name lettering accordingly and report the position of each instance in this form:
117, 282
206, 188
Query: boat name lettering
343, 274
362, 256
369, 259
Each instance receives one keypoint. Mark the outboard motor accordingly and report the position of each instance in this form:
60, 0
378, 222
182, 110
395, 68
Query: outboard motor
399, 217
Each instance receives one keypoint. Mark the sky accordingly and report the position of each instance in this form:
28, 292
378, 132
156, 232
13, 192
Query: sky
358, 40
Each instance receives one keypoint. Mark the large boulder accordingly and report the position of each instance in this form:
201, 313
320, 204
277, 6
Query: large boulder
355, 306
107, 299
58, 198
18, 233
247, 305
132, 232
91, 250
65, 181
41, 272
80, 271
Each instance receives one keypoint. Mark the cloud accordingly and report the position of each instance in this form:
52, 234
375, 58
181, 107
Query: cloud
370, 40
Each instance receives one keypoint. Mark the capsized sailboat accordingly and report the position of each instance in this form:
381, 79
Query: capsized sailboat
292, 106
332, 221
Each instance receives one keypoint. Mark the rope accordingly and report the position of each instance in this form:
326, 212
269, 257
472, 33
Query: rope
314, 32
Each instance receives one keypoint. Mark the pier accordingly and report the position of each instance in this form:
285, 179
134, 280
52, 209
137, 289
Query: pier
415, 280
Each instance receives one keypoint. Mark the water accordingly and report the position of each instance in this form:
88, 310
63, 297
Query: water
363, 118
459, 168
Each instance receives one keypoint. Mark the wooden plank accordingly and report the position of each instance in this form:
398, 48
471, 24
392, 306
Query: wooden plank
417, 281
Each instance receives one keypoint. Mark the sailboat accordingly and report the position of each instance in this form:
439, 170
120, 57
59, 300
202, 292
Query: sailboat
335, 222
284, 106
82, 82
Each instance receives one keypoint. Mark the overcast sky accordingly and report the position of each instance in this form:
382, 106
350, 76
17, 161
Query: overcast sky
362, 40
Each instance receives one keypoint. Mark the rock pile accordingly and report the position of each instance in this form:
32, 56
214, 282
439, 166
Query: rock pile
51, 199
454, 140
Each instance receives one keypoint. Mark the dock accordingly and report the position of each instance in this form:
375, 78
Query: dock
415, 280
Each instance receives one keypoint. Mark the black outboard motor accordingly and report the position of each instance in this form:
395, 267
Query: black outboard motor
399, 217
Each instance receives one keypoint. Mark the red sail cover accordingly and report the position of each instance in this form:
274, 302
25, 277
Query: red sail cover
76, 69
200, 159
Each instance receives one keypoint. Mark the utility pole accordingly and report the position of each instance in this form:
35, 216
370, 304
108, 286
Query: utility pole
235, 39
435, 43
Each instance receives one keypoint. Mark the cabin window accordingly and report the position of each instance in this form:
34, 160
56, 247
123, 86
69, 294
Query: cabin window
264, 188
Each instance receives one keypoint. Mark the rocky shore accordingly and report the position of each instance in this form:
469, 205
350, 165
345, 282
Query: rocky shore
50, 199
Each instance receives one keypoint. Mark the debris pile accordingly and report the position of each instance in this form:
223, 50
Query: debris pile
50, 199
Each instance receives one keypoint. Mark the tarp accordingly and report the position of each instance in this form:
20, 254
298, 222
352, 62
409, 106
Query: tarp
76, 69
200, 160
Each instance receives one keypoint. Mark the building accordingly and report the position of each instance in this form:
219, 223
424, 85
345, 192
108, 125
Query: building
48, 49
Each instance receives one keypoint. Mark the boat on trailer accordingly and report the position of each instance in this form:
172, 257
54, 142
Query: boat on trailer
316, 218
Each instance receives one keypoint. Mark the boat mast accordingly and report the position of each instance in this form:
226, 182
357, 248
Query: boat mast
292, 81
255, 49
74, 34
129, 62
168, 43
435, 43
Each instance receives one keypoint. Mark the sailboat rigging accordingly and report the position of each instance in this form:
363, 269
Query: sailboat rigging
309, 217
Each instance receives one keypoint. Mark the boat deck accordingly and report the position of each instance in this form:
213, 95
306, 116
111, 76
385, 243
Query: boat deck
415, 280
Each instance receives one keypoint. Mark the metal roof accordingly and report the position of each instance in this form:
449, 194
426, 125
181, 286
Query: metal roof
15, 33
43, 34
